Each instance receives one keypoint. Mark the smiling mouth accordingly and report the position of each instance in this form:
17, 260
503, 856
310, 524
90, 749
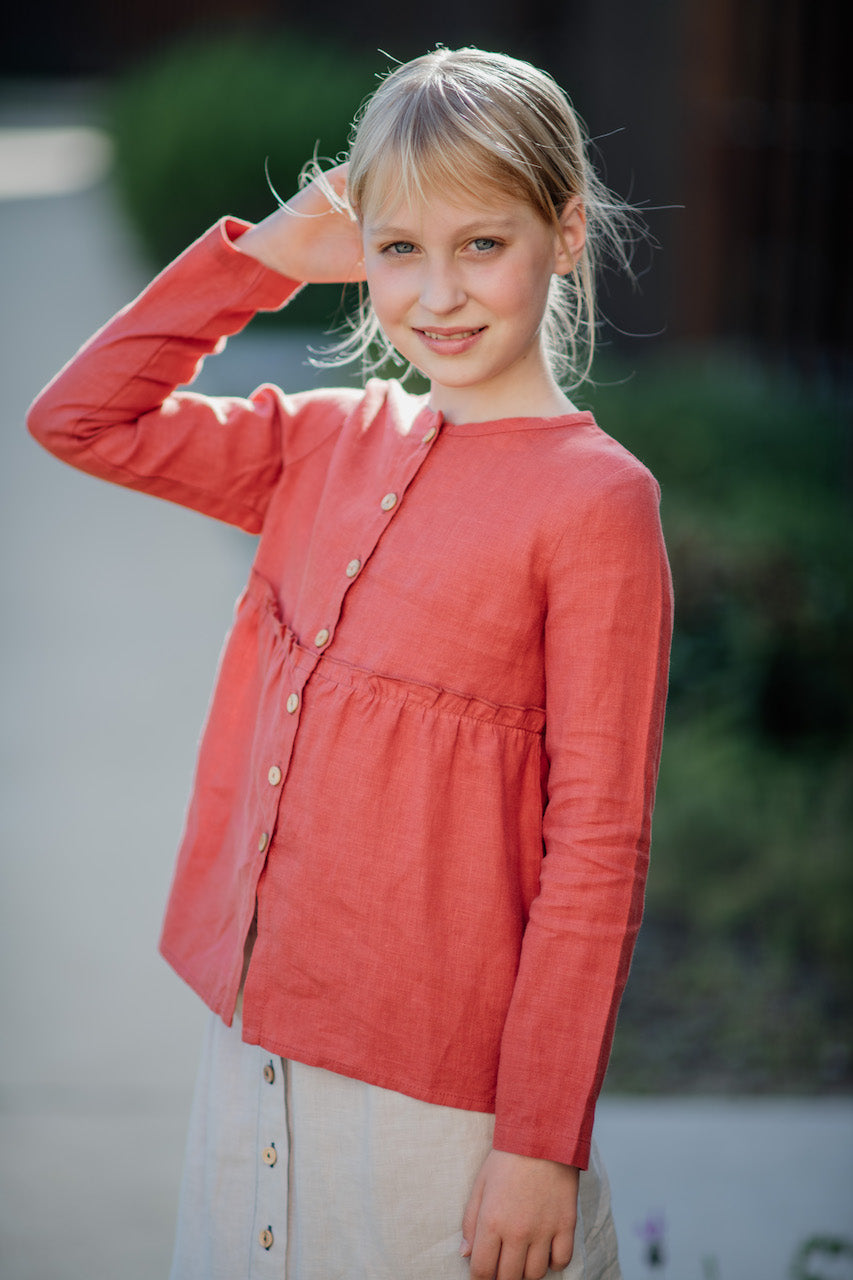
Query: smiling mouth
455, 335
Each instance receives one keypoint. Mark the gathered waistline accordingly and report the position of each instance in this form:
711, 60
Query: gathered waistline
399, 689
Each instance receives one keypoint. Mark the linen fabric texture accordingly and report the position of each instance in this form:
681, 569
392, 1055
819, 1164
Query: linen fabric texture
295, 1171
430, 756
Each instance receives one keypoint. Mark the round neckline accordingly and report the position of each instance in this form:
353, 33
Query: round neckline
496, 426
420, 413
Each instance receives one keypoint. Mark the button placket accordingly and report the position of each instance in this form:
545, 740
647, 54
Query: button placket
392, 448
274, 757
363, 530
270, 1217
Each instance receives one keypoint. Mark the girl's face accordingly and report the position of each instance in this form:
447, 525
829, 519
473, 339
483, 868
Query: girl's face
459, 286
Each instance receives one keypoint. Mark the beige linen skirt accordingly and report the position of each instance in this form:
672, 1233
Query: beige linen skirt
297, 1173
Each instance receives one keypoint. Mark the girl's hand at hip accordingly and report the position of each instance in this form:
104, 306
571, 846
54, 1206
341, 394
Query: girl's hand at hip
308, 239
520, 1218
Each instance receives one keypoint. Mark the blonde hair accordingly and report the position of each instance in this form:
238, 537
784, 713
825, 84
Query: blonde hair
490, 123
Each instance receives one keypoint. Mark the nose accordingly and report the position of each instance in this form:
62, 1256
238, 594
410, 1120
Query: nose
441, 289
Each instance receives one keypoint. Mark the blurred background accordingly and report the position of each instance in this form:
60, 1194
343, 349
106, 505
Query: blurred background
124, 132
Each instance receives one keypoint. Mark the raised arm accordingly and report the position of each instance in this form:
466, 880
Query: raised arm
114, 410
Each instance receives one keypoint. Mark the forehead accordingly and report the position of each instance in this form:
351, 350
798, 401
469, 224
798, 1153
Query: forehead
428, 176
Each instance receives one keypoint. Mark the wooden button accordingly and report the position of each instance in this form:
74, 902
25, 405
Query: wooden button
389, 501
265, 1237
353, 568
269, 1073
321, 638
263, 841
430, 435
270, 1155
274, 775
292, 702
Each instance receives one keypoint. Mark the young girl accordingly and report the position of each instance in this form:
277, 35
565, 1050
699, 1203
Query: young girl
413, 865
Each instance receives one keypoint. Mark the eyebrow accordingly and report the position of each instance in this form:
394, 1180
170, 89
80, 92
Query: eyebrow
481, 224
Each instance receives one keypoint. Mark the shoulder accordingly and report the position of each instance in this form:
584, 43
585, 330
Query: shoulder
607, 500
308, 418
578, 469
344, 402
380, 406
598, 463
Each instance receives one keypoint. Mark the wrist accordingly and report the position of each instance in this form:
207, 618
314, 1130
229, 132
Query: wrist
264, 243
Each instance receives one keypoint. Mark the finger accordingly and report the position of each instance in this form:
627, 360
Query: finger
562, 1248
322, 193
470, 1216
512, 1259
337, 175
485, 1255
536, 1263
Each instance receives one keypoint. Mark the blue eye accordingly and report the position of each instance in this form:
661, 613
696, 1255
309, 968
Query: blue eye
484, 243
400, 248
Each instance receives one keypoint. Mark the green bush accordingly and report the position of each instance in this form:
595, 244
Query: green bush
755, 481
195, 127
743, 976
744, 970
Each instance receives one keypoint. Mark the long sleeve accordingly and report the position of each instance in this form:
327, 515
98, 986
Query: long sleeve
607, 640
113, 410
425, 597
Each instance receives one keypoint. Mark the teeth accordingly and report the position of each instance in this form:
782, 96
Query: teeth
450, 337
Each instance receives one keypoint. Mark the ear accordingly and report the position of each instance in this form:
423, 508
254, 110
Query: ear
572, 236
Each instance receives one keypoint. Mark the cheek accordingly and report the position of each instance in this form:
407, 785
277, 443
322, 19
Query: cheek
387, 292
523, 299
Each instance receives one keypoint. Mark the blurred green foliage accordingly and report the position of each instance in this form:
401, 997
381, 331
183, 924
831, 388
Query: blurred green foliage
197, 128
743, 976
756, 484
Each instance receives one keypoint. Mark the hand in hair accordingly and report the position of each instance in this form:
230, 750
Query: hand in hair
308, 239
520, 1218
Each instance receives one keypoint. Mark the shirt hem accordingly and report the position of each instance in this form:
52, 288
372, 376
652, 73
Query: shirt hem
436, 1097
284, 1049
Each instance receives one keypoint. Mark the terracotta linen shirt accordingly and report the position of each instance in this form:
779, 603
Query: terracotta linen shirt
430, 756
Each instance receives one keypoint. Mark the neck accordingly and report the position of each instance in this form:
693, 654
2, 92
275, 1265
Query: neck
539, 397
